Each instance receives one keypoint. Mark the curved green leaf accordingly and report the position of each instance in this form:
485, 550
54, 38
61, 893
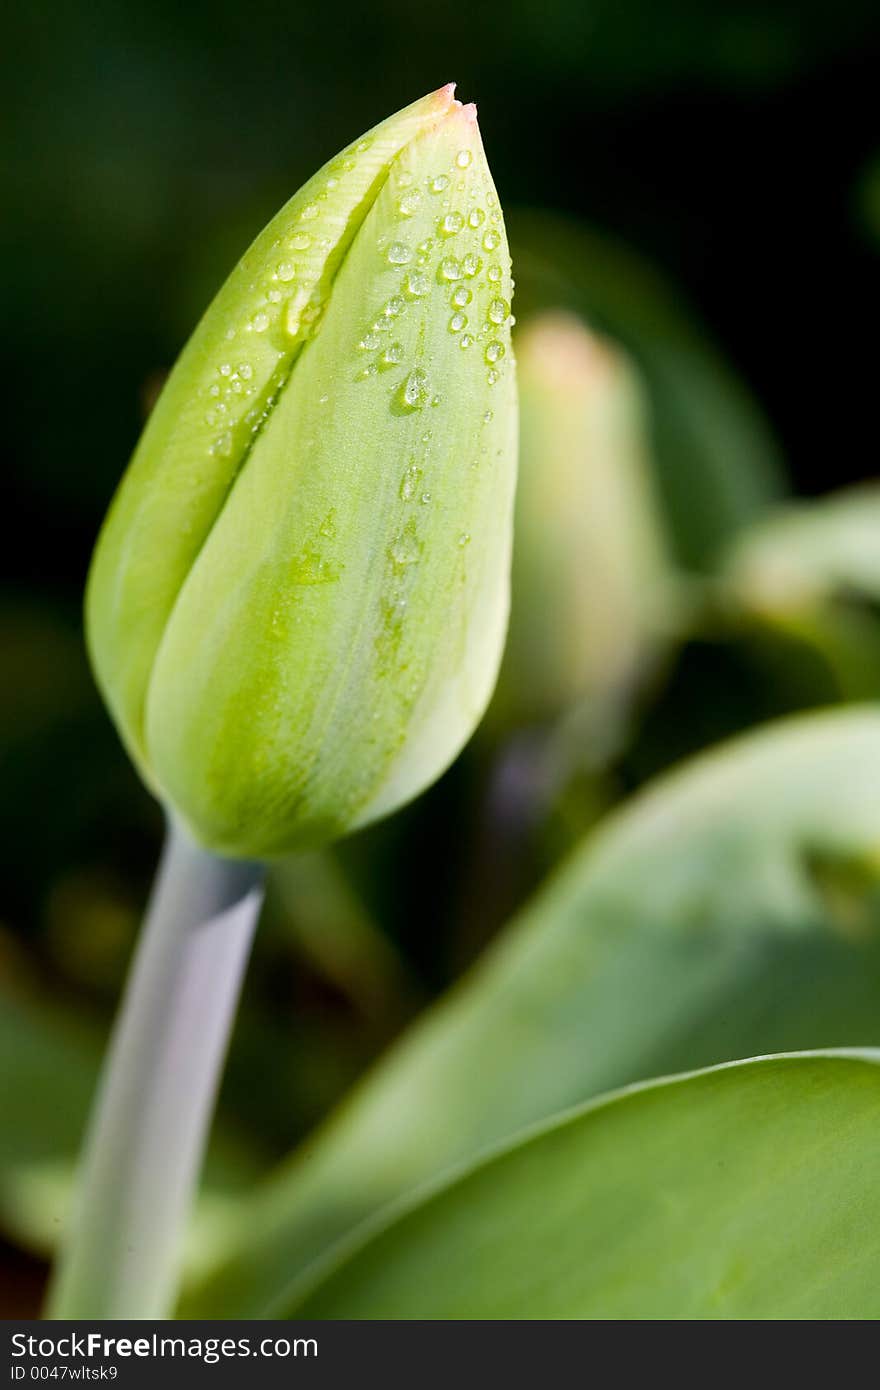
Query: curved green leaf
730, 910
810, 573
747, 1191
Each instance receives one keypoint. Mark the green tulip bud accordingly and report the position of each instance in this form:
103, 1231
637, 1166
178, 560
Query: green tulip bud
297, 604
590, 576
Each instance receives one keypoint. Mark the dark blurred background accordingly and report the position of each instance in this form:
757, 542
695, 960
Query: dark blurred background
733, 145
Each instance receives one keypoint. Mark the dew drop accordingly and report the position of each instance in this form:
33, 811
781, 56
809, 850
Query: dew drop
416, 389
491, 240
450, 269
417, 284
370, 342
465, 341
394, 307
494, 352
457, 323
406, 548
300, 241
463, 158
225, 369
214, 390
498, 311
461, 297
488, 417
494, 273
471, 265
398, 253
464, 539
492, 377
245, 370
440, 183
392, 355
425, 498
451, 224
309, 212
476, 217
285, 270
409, 203
260, 322
409, 482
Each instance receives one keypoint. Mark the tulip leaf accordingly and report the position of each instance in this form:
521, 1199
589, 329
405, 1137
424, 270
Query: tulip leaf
731, 909
812, 550
810, 573
747, 1191
718, 466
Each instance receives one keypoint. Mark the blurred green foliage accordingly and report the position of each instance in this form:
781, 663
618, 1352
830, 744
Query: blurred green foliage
696, 183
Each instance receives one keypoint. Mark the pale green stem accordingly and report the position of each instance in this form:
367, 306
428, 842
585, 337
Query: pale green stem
153, 1110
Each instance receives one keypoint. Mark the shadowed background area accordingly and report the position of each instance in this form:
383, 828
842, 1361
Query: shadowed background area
700, 181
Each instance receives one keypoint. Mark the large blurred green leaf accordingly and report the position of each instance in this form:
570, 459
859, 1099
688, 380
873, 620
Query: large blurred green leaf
730, 910
750, 1191
717, 463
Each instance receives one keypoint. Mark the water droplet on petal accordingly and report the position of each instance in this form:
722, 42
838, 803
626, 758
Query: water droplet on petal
491, 240
300, 241
416, 389
440, 183
471, 265
466, 340
457, 323
285, 270
408, 204
450, 269
410, 481
417, 284
463, 158
494, 352
406, 548
398, 253
494, 273
476, 217
498, 311
451, 224
260, 322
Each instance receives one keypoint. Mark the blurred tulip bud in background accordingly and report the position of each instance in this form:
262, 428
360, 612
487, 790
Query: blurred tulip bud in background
298, 602
590, 576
